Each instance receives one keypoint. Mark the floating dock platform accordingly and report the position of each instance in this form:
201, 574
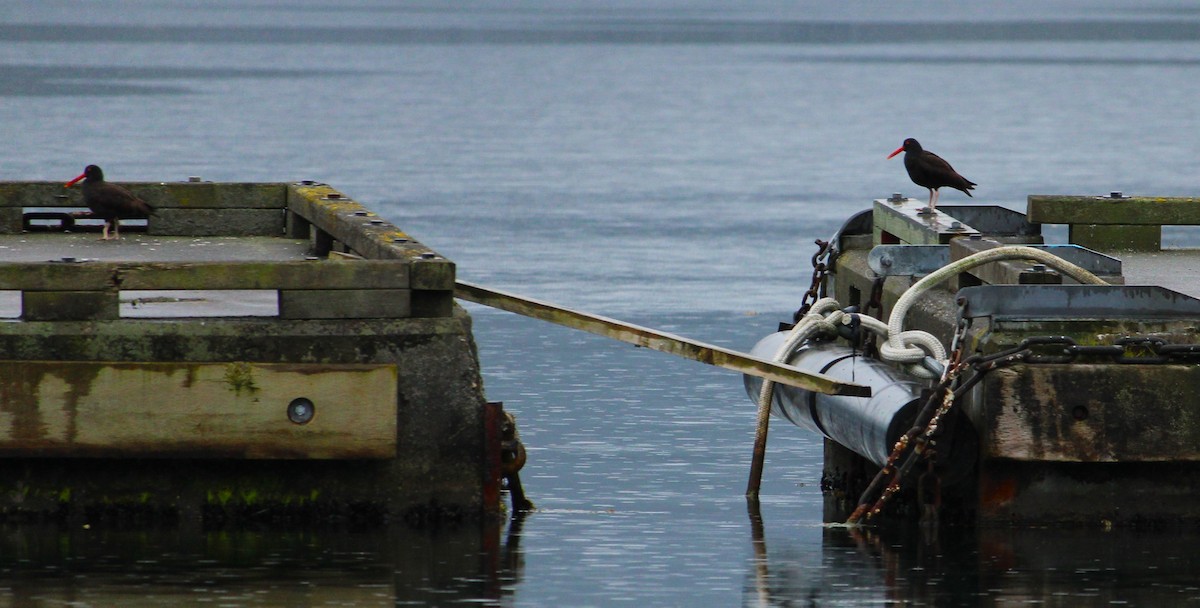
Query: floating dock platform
1073, 385
252, 351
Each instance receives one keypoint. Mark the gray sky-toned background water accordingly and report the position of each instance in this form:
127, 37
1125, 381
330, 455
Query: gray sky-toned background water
669, 163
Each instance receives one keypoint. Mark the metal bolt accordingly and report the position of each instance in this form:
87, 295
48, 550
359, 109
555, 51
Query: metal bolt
399, 240
896, 198
956, 226
428, 255
333, 195
885, 261
376, 221
976, 237
1116, 194
1038, 268
301, 410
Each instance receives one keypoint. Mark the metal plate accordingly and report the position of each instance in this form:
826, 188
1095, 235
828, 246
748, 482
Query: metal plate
1037, 302
1091, 261
907, 260
916, 260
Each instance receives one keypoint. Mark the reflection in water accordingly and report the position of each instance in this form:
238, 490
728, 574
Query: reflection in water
44, 565
908, 565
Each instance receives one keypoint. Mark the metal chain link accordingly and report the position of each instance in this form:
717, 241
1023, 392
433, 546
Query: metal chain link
1142, 350
817, 289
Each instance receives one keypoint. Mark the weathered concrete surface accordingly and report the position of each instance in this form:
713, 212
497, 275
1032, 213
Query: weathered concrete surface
1131, 211
1089, 412
1093, 442
141, 247
216, 410
1107, 223
368, 294
438, 419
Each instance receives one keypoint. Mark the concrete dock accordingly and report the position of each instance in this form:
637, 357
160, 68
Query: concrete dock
1080, 407
251, 351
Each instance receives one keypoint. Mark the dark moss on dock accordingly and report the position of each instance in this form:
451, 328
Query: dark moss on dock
118, 406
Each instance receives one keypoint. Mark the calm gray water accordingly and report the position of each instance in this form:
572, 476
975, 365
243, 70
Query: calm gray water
667, 162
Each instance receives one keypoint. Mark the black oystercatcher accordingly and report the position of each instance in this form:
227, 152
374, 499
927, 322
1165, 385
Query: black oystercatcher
929, 170
109, 202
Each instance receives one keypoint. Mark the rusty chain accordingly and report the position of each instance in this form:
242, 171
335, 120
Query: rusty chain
1128, 350
921, 436
817, 289
919, 443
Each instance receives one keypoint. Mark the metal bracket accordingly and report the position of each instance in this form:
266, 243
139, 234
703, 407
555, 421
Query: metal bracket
1091, 261
1076, 302
907, 260
916, 260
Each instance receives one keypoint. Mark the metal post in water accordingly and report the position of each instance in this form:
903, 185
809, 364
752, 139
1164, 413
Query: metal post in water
760, 442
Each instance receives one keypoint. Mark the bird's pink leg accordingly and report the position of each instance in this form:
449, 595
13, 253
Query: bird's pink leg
928, 208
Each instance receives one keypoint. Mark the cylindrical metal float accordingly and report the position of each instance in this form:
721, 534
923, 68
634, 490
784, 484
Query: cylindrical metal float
869, 426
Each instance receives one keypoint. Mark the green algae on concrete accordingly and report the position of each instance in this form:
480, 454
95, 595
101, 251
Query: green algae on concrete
387, 303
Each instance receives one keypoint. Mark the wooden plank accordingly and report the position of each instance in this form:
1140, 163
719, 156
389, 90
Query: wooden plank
55, 276
216, 222
345, 304
433, 275
904, 221
299, 274
69, 305
12, 220
167, 195
1116, 237
303, 274
657, 340
337, 217
196, 410
39, 194
1138, 210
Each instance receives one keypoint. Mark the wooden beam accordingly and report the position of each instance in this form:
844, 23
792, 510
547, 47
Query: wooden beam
1129, 211
657, 340
903, 219
298, 274
166, 195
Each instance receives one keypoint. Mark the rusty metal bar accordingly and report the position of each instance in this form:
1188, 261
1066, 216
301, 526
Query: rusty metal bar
657, 340
492, 412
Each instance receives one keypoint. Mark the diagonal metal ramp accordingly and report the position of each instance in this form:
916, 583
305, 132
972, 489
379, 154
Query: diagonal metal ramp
657, 340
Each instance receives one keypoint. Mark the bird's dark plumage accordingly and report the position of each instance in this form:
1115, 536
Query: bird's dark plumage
931, 171
109, 202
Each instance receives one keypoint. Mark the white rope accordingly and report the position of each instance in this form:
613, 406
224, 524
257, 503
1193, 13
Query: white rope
904, 346
909, 348
822, 316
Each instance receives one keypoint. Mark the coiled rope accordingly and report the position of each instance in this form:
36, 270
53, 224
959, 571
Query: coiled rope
905, 348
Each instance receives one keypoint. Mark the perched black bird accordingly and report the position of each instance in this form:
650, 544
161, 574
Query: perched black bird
109, 202
929, 170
